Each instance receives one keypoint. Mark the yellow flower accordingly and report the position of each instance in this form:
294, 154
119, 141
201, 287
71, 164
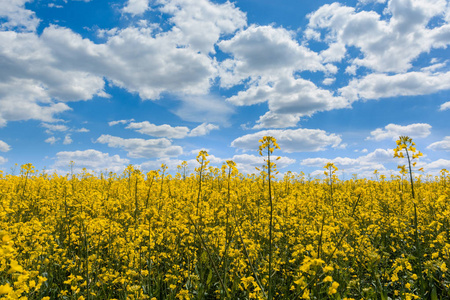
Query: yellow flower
5, 289
306, 294
443, 267
333, 288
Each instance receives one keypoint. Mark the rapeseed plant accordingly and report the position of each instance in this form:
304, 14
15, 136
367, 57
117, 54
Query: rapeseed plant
218, 234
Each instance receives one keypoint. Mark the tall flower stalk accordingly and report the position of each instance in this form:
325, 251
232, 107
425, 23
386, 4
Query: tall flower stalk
405, 143
269, 144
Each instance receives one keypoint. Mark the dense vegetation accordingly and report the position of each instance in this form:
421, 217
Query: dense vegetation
215, 234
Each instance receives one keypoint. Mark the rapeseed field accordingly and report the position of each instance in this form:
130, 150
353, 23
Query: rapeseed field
220, 234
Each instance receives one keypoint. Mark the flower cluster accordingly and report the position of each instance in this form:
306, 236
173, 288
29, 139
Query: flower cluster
205, 235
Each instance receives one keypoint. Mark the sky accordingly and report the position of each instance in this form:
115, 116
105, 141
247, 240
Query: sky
105, 84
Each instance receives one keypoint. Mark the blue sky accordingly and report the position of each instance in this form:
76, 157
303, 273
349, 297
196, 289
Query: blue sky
110, 83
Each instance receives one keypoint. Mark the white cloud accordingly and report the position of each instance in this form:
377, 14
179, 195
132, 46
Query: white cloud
33, 84
82, 130
4, 147
375, 86
334, 53
445, 106
137, 148
54, 127
203, 22
3, 160
389, 43
67, 140
136, 59
170, 132
328, 81
51, 5
443, 145
51, 140
265, 51
25, 100
289, 140
273, 120
136, 7
434, 67
89, 159
164, 130
203, 129
288, 96
112, 123
438, 165
362, 165
393, 131
17, 17
59, 65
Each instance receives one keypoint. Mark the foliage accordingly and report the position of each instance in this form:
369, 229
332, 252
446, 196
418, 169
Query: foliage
205, 235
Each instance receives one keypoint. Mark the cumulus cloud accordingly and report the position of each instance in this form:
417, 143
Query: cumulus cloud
136, 7
438, 165
54, 127
3, 160
328, 81
171, 132
51, 140
4, 147
376, 86
274, 120
165, 130
90, 159
445, 106
203, 22
138, 148
393, 131
267, 59
113, 123
67, 140
203, 129
82, 130
362, 165
22, 99
42, 72
443, 145
32, 86
265, 51
17, 16
291, 140
135, 59
388, 43
288, 97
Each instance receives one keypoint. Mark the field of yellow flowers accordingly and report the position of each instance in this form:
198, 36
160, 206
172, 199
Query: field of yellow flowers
219, 234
